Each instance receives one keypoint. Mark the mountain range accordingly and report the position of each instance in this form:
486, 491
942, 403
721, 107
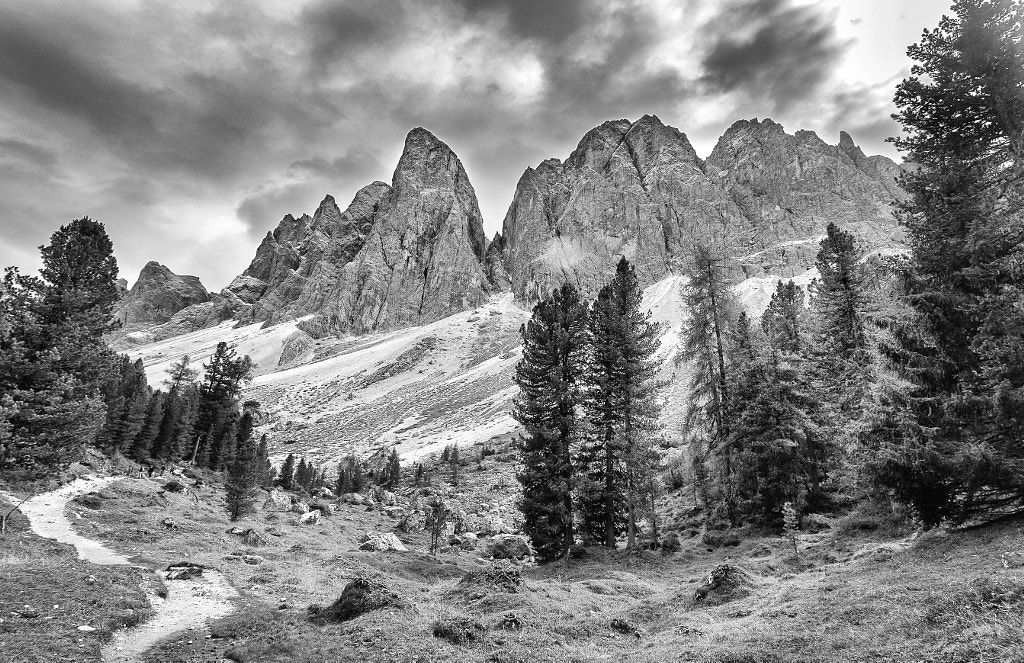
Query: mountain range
395, 321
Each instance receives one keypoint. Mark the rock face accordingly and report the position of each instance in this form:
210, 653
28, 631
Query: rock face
402, 254
638, 189
157, 295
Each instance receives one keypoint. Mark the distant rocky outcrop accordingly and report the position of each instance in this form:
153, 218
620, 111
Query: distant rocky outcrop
157, 295
638, 189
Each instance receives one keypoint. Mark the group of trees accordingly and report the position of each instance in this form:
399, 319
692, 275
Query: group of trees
587, 402
770, 403
62, 388
902, 376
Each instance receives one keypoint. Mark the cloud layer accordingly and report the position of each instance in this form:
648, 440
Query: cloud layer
190, 131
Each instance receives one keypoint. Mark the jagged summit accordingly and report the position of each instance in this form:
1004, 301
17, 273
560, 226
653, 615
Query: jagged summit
157, 295
639, 190
414, 250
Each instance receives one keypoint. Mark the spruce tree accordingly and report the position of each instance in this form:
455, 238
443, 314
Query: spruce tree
950, 446
393, 471
838, 299
56, 368
151, 427
243, 479
548, 376
781, 321
219, 391
287, 476
622, 411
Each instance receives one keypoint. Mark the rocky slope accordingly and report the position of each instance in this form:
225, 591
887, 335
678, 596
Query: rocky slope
157, 295
638, 189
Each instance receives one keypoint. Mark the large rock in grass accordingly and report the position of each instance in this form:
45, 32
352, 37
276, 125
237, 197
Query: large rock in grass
510, 546
380, 542
359, 597
278, 499
310, 517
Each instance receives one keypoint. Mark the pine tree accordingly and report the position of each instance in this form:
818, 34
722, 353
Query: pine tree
951, 446
242, 481
56, 368
287, 476
709, 304
302, 474
781, 321
838, 299
549, 376
265, 477
219, 392
393, 471
453, 460
151, 427
622, 411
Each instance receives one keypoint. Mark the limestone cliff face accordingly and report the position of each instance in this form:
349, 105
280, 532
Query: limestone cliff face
422, 256
638, 189
157, 295
791, 186
635, 189
402, 254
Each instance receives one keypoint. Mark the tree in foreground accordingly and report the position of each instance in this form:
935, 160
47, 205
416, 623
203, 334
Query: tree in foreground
54, 366
951, 446
621, 407
548, 376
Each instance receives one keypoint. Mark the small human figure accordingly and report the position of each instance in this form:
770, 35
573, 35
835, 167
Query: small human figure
163, 468
150, 471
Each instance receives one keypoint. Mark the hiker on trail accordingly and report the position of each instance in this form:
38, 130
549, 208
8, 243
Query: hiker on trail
150, 471
162, 469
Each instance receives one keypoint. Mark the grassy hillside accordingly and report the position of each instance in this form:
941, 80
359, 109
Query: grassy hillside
864, 588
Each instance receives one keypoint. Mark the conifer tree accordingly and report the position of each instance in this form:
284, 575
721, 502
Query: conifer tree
151, 427
302, 474
781, 321
549, 376
838, 298
393, 471
222, 384
951, 446
622, 411
287, 476
56, 368
243, 479
708, 301
265, 476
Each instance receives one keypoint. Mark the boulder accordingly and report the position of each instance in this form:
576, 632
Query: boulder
278, 499
359, 597
299, 507
509, 546
412, 522
310, 517
183, 571
254, 539
324, 493
380, 542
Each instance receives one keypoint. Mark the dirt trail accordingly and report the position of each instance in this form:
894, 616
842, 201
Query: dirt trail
189, 603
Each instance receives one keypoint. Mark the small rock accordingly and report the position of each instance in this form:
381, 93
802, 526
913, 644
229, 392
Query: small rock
86, 628
310, 517
379, 542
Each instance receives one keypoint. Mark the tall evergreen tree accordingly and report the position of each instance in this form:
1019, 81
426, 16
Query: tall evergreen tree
781, 321
56, 366
838, 298
151, 427
287, 475
708, 301
622, 411
219, 391
549, 376
242, 480
951, 447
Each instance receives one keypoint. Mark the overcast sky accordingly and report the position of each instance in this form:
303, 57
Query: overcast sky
190, 128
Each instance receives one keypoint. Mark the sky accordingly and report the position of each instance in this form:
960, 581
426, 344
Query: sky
191, 128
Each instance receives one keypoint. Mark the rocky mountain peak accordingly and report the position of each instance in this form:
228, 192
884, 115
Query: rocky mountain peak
157, 295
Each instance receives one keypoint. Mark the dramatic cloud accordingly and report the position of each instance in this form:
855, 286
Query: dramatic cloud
191, 129
771, 50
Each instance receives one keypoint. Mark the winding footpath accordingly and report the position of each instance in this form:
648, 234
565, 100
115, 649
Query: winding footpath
189, 603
